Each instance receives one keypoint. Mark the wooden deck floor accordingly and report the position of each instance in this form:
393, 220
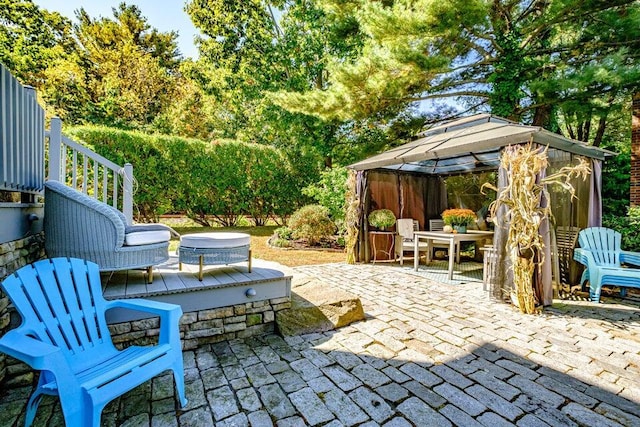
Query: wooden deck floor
221, 285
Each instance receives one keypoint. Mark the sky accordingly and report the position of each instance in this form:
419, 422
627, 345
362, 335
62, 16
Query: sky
165, 15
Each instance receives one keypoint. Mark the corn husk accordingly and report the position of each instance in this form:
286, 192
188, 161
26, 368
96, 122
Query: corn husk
351, 218
522, 196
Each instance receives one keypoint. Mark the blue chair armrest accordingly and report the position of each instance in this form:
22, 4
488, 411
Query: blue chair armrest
29, 350
169, 316
584, 256
631, 258
42, 357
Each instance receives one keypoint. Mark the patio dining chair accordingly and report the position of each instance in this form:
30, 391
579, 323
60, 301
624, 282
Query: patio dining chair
404, 240
438, 225
566, 240
64, 335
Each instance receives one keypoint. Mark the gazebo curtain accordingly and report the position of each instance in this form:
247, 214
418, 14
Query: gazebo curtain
585, 210
503, 284
408, 195
595, 194
421, 197
582, 211
424, 197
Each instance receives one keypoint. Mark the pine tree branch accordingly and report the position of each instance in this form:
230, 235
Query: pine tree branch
570, 14
532, 7
489, 61
579, 46
484, 37
451, 95
484, 53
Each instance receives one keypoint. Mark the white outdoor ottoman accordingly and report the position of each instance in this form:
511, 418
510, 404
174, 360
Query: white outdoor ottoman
214, 249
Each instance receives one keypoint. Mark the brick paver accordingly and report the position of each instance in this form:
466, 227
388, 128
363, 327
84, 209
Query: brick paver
427, 354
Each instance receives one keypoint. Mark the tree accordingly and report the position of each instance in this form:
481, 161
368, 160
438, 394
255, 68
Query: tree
533, 60
116, 71
190, 112
616, 170
31, 38
129, 67
236, 58
251, 50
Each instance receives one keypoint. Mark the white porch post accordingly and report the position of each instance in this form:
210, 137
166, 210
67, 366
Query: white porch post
127, 197
55, 148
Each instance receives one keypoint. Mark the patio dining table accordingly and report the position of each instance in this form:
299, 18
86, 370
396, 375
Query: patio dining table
453, 238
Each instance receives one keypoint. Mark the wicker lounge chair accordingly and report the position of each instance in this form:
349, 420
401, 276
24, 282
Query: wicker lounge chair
79, 226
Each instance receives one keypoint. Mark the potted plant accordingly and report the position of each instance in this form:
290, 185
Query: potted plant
459, 219
382, 219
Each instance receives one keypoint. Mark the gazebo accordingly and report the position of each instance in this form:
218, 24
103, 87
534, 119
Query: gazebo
410, 181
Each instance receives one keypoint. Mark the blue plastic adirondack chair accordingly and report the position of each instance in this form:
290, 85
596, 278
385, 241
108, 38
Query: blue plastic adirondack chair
64, 334
600, 251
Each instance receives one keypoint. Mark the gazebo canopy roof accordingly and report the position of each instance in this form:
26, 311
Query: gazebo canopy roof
470, 144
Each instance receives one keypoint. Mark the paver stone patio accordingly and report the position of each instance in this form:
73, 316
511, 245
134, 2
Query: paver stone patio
428, 354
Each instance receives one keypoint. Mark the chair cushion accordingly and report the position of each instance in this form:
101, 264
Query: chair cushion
146, 237
146, 234
215, 240
437, 242
150, 227
410, 245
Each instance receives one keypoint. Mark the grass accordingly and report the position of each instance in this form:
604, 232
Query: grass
260, 249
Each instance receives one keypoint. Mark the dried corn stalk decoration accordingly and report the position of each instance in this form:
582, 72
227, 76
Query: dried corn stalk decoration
351, 218
522, 196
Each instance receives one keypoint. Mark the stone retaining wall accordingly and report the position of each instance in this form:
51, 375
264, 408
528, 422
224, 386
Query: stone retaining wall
14, 255
196, 328
206, 326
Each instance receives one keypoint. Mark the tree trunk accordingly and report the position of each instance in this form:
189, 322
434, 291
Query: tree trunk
328, 162
542, 116
600, 132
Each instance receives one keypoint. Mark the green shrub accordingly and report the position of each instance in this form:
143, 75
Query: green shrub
330, 192
311, 223
615, 187
281, 243
274, 190
220, 181
146, 155
628, 226
284, 233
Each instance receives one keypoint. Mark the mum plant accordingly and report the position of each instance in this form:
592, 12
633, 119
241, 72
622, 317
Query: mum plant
458, 217
382, 218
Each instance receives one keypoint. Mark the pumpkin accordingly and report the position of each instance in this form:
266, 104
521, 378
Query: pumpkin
447, 229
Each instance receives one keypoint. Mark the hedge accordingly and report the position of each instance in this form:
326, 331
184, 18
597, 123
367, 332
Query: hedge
222, 180
628, 226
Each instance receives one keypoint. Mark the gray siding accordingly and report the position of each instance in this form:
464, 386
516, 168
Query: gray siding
22, 137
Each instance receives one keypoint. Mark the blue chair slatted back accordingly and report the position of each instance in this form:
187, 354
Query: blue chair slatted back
60, 301
603, 243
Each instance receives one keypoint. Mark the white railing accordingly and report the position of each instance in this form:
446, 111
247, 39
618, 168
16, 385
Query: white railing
21, 137
87, 171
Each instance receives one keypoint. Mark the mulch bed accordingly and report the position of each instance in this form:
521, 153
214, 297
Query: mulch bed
330, 245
